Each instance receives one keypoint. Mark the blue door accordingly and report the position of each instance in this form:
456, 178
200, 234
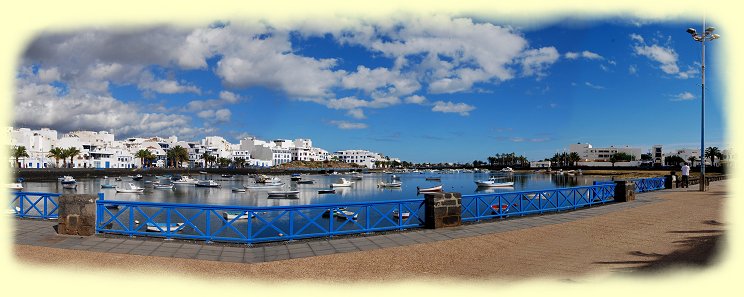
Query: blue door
108, 164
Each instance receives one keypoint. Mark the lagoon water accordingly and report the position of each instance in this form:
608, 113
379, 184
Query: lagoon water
362, 191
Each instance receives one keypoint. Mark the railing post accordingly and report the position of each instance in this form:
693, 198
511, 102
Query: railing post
99, 212
477, 209
291, 224
22, 213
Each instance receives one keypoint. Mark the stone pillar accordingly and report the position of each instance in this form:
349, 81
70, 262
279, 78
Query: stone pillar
442, 210
670, 181
624, 191
77, 214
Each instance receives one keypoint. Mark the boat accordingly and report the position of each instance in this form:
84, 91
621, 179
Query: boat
15, 210
238, 189
117, 178
68, 180
503, 208
69, 186
343, 183
15, 186
105, 177
108, 186
137, 177
283, 194
184, 180
433, 178
227, 175
132, 189
507, 169
326, 191
306, 182
404, 215
263, 179
428, 190
163, 227
207, 183
112, 206
356, 177
202, 172
295, 177
493, 182
341, 213
264, 186
240, 215
393, 184
163, 186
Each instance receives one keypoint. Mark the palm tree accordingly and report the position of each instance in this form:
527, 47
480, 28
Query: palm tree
72, 152
574, 157
143, 155
712, 153
223, 162
181, 154
239, 162
57, 153
692, 160
491, 161
206, 157
19, 152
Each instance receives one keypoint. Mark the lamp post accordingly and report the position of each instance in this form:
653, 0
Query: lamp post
702, 38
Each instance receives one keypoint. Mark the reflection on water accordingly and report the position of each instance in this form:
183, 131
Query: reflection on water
362, 190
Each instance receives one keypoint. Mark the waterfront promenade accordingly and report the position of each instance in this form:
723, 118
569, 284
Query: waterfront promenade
661, 230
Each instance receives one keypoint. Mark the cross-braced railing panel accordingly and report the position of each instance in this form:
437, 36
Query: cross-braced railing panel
35, 205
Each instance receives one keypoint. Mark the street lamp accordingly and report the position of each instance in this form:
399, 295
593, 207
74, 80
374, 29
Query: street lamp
702, 38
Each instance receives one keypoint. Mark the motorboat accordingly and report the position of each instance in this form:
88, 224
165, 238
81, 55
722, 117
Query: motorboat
305, 182
433, 178
403, 215
69, 186
108, 186
132, 189
507, 169
207, 183
295, 177
238, 189
264, 186
67, 179
343, 183
341, 213
137, 177
326, 191
227, 175
240, 215
202, 172
163, 186
356, 177
15, 186
283, 194
392, 184
263, 179
117, 178
494, 182
428, 190
184, 180
164, 227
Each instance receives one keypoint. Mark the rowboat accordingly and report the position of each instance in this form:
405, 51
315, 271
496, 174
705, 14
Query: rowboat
163, 227
394, 184
207, 183
493, 182
241, 215
432, 189
283, 194
132, 189
343, 183
238, 190
265, 186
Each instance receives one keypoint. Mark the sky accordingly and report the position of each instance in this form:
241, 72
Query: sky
422, 88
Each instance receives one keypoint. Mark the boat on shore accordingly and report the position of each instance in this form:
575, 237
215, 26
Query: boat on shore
284, 194
343, 183
429, 190
131, 189
494, 182
208, 183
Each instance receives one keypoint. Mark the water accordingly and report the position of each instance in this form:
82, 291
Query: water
363, 190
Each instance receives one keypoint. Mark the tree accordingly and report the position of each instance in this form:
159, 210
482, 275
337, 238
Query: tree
574, 157
239, 162
692, 160
57, 153
620, 157
491, 161
223, 162
72, 152
19, 152
673, 160
143, 155
712, 153
646, 157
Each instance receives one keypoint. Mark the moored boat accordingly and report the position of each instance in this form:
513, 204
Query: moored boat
393, 184
131, 189
164, 227
343, 183
433, 178
163, 186
184, 180
494, 182
403, 215
67, 179
306, 182
207, 183
326, 191
432, 189
15, 186
137, 177
240, 215
284, 194
238, 189
108, 186
264, 186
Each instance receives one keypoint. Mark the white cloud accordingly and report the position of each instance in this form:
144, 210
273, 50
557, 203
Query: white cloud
167, 87
666, 56
636, 37
229, 97
450, 107
49, 75
381, 80
585, 54
684, 96
356, 113
348, 125
593, 86
218, 116
632, 69
416, 99
536, 61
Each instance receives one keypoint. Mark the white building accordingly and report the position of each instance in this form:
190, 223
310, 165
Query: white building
360, 157
37, 144
540, 164
591, 156
686, 154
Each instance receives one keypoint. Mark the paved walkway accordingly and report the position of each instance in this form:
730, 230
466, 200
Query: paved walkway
552, 242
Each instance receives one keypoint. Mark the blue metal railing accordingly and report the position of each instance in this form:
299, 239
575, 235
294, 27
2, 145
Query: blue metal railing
648, 184
35, 205
248, 224
499, 205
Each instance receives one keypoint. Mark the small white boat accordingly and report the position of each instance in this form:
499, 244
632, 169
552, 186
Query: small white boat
264, 186
494, 182
132, 189
341, 213
67, 179
404, 215
393, 184
137, 177
263, 179
283, 194
207, 183
15, 210
117, 178
105, 177
241, 215
69, 186
238, 189
507, 169
356, 177
432, 189
202, 172
343, 183
15, 186
163, 186
174, 227
185, 180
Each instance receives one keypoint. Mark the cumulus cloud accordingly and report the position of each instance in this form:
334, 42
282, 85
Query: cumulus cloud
416, 99
684, 96
536, 61
217, 116
593, 86
585, 54
450, 107
348, 125
664, 55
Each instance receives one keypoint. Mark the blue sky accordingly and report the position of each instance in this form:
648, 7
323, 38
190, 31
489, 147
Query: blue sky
422, 88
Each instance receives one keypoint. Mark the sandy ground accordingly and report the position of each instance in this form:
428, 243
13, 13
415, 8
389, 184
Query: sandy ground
683, 230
